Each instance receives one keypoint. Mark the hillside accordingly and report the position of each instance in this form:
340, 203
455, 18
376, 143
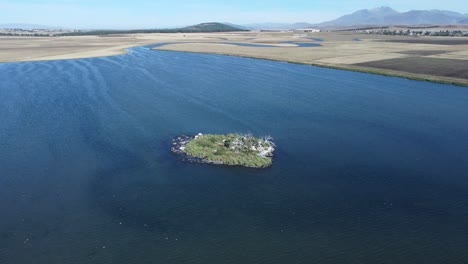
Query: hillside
389, 16
199, 28
210, 27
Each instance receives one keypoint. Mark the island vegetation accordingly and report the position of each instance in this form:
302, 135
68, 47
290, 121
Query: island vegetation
231, 149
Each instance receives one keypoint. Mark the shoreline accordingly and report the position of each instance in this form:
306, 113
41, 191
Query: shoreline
352, 68
78, 57
111, 52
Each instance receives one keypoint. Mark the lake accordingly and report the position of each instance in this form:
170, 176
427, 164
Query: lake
368, 169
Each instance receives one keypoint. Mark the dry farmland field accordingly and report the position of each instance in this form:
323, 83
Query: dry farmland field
424, 65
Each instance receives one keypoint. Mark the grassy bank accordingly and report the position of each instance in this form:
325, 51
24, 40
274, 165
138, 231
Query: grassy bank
232, 149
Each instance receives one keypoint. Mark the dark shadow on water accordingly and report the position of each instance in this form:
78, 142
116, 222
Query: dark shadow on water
296, 43
316, 39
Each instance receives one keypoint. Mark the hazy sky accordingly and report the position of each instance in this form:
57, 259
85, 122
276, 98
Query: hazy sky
153, 14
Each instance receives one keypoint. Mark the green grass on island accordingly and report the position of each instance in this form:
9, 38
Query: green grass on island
232, 149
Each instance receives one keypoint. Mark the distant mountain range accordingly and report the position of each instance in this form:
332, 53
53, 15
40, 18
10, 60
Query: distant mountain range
375, 17
28, 26
277, 26
382, 16
388, 16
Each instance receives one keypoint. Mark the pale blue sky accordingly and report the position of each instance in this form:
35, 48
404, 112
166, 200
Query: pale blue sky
154, 14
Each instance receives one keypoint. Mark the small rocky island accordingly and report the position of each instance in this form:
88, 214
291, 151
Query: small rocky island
230, 149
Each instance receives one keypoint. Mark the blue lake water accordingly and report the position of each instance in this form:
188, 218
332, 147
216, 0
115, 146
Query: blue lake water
250, 45
297, 44
316, 39
369, 169
240, 44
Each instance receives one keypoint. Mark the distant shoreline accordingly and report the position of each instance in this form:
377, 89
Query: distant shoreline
374, 71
